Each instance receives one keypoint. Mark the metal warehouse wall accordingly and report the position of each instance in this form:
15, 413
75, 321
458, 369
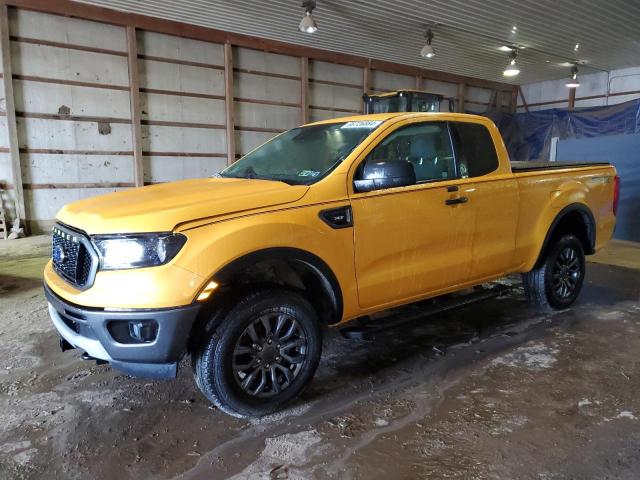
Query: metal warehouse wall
596, 89
101, 107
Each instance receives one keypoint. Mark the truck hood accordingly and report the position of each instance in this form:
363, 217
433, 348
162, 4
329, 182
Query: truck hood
159, 208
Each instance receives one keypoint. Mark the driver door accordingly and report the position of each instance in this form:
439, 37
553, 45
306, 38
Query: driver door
415, 240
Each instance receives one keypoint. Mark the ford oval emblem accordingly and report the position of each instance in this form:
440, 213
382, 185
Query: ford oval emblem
58, 254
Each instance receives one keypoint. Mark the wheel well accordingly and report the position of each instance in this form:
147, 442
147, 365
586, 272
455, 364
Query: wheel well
286, 267
574, 219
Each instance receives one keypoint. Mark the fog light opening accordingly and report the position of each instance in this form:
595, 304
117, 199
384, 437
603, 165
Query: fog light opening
143, 331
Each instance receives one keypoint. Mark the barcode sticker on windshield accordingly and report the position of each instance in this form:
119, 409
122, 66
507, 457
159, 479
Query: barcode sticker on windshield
362, 124
308, 173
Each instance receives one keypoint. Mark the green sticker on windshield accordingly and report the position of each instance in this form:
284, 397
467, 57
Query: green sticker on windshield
369, 124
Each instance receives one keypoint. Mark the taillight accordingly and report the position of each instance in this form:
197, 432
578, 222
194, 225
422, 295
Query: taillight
616, 194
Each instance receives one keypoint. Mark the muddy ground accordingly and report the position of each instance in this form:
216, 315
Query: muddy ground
491, 390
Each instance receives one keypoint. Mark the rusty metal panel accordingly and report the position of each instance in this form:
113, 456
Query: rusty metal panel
178, 48
168, 168
55, 28
261, 87
180, 139
256, 60
181, 78
67, 64
266, 116
181, 109
247, 141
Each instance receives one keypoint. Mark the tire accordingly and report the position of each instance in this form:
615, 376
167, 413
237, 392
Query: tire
260, 355
556, 283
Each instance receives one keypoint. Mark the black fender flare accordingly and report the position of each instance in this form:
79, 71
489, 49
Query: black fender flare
589, 221
288, 254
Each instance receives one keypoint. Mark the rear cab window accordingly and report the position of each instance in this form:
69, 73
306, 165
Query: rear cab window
474, 149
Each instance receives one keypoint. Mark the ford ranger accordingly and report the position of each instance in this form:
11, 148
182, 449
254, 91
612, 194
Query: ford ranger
322, 224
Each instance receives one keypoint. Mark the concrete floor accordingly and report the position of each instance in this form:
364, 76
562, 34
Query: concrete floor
491, 390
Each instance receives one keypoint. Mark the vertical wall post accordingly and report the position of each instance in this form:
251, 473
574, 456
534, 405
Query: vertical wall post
572, 98
418, 82
228, 103
514, 100
12, 129
136, 111
462, 90
304, 90
524, 101
366, 80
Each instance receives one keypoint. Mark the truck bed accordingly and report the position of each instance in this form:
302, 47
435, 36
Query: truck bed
518, 167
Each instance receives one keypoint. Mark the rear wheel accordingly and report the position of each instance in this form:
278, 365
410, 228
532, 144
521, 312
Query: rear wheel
557, 281
261, 355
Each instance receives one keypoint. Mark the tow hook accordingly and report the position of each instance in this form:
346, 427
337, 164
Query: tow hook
86, 356
64, 345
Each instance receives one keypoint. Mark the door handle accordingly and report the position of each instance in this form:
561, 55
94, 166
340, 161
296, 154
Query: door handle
452, 188
456, 201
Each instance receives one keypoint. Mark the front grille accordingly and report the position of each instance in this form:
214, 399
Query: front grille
71, 256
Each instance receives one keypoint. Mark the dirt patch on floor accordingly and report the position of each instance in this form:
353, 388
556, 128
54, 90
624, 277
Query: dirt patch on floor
491, 390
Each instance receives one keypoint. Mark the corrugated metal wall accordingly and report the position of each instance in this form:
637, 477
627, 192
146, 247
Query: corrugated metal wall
73, 106
596, 89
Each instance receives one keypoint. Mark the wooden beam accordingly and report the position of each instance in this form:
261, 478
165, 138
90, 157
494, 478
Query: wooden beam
136, 111
462, 90
524, 102
12, 129
572, 98
514, 100
170, 27
501, 98
366, 81
304, 87
228, 103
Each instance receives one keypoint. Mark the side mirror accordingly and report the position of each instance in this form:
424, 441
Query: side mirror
379, 175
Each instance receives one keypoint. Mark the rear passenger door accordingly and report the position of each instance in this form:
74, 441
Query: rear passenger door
493, 195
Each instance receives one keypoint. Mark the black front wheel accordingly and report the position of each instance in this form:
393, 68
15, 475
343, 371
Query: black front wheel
557, 281
261, 355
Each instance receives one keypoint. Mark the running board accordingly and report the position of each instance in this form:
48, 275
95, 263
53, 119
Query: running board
365, 327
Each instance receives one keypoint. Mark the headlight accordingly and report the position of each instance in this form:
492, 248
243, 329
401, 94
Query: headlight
136, 251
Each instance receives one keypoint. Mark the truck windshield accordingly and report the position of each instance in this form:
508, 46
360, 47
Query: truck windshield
304, 155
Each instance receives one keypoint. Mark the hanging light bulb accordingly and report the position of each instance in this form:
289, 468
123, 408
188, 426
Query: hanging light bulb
428, 51
573, 81
512, 70
308, 23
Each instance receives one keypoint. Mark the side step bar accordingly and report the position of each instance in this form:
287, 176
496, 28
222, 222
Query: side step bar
364, 327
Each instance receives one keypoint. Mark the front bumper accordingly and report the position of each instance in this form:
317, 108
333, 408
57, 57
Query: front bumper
88, 329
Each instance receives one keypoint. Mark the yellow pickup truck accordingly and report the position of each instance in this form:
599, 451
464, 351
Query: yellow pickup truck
323, 224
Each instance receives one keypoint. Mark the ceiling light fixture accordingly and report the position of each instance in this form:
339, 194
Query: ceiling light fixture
308, 23
512, 70
428, 51
573, 81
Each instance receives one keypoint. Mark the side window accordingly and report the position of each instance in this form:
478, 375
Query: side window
475, 150
426, 146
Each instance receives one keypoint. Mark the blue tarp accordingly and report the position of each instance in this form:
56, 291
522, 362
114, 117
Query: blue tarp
528, 135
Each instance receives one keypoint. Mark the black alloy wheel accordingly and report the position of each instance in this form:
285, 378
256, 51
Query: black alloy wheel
566, 273
269, 354
259, 352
